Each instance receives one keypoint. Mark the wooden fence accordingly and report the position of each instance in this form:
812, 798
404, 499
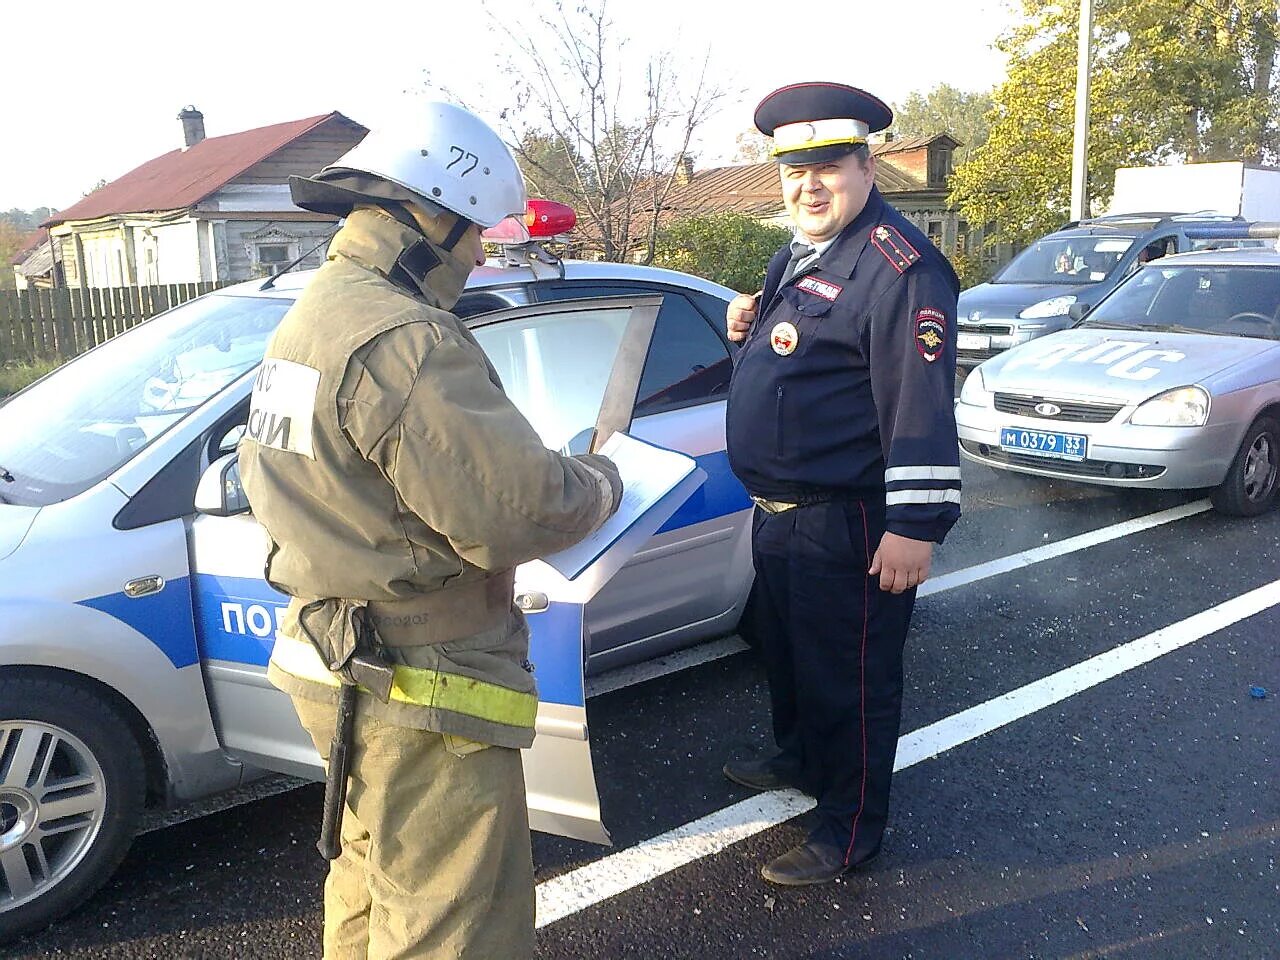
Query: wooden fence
59, 324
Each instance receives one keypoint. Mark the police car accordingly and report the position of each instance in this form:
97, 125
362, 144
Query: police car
135, 624
1172, 381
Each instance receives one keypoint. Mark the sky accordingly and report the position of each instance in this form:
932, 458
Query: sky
95, 91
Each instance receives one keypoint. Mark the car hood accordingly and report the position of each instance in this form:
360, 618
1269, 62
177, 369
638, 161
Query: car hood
1008, 299
1122, 365
15, 521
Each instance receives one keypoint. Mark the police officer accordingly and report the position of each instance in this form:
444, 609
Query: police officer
840, 426
399, 488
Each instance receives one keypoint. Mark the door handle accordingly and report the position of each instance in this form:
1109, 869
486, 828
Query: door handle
144, 586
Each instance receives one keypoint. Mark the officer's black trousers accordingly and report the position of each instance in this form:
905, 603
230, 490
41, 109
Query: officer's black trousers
832, 643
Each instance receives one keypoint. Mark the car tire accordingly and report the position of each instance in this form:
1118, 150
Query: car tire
72, 787
1250, 486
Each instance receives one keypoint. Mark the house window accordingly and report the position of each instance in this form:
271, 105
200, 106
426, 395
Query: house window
962, 237
935, 232
939, 166
273, 258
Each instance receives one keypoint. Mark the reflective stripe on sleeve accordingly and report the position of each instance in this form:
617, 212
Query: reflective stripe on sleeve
922, 496
420, 687
895, 474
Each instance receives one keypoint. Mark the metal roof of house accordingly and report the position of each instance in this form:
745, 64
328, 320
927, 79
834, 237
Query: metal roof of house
752, 189
182, 178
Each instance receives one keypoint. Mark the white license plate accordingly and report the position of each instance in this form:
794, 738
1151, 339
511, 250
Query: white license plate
1062, 446
973, 341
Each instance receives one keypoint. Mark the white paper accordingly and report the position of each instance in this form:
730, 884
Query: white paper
655, 483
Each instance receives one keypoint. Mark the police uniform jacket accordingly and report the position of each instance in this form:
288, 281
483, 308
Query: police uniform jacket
844, 384
392, 473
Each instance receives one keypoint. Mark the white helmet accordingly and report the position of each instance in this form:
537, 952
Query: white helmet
448, 156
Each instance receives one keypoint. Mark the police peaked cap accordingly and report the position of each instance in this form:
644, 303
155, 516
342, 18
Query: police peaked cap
817, 122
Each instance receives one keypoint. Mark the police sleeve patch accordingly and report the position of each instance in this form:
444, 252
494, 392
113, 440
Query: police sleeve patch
894, 247
930, 332
283, 406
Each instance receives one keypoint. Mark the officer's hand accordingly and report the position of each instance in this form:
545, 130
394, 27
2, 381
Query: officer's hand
741, 314
901, 562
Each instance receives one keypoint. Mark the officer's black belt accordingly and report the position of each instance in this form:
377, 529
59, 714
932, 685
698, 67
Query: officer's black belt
811, 499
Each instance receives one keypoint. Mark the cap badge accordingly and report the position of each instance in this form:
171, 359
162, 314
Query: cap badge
784, 338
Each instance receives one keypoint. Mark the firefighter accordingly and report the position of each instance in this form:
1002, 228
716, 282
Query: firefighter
400, 488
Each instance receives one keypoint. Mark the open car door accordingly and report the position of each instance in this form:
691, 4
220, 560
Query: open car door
557, 362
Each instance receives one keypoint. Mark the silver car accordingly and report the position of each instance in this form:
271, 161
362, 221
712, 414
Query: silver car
135, 624
1171, 382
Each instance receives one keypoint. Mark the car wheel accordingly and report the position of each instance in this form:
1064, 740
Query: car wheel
1250, 486
72, 786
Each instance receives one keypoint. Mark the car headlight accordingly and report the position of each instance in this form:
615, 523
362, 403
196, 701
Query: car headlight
1183, 407
1053, 307
974, 392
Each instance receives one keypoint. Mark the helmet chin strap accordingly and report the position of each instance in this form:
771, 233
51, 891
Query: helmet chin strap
400, 211
460, 227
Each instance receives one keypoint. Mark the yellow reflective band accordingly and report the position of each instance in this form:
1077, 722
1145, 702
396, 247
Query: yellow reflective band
814, 145
420, 687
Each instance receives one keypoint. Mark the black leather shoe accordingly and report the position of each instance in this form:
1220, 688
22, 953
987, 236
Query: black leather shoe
806, 864
756, 774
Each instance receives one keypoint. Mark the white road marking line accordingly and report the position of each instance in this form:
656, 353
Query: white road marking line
1050, 551
590, 884
622, 677
728, 646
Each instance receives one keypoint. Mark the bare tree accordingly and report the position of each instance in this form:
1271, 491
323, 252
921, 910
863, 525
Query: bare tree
752, 147
583, 136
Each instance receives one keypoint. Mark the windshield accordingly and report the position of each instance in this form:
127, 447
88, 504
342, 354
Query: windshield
1081, 259
90, 416
1242, 301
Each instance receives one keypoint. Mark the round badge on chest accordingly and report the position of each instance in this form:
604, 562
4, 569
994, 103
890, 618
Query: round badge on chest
784, 338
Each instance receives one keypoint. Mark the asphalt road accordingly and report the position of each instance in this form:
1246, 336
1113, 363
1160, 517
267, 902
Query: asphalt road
1127, 811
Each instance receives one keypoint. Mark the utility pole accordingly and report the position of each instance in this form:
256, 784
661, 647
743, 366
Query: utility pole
1080, 146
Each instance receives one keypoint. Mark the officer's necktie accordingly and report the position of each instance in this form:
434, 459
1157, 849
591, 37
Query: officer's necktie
803, 256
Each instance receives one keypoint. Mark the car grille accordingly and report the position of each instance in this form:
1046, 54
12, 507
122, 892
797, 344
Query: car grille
1074, 412
991, 329
1109, 469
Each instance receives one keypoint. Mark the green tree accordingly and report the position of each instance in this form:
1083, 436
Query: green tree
1170, 80
946, 109
730, 248
12, 239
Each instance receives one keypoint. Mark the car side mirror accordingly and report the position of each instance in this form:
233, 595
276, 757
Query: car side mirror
220, 493
1077, 310
231, 438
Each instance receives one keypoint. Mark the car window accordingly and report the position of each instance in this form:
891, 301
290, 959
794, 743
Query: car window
92, 415
1236, 300
555, 366
1067, 260
688, 361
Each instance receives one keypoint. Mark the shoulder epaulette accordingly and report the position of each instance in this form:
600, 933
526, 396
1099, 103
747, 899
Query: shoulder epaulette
894, 246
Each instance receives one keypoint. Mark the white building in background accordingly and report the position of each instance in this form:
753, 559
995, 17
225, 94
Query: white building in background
218, 209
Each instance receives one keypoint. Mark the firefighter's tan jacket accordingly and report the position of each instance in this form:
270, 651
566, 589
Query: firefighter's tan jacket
390, 470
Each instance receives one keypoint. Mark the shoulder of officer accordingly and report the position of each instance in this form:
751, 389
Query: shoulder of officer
903, 246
